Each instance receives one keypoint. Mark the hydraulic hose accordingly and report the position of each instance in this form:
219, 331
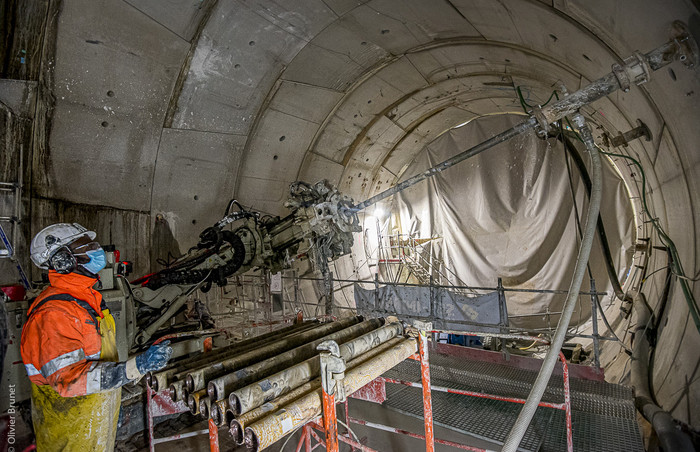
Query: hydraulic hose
602, 236
670, 437
528, 411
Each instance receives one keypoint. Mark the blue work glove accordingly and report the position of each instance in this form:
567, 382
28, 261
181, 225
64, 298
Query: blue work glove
155, 358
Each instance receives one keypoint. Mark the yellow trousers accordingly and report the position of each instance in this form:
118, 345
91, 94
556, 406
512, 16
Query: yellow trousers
83, 423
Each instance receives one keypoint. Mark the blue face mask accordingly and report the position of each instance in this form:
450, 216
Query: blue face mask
98, 260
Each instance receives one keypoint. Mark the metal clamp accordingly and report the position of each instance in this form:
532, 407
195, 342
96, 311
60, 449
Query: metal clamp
621, 76
332, 369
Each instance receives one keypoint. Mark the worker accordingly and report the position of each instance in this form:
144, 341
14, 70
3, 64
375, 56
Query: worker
69, 347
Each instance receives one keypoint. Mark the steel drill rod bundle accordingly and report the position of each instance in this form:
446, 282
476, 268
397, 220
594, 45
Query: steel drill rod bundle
157, 380
178, 389
238, 424
270, 429
245, 399
196, 379
219, 388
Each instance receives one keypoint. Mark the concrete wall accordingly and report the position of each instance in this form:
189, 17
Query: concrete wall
173, 107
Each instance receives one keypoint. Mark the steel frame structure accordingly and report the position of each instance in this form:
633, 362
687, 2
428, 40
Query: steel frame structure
161, 404
329, 420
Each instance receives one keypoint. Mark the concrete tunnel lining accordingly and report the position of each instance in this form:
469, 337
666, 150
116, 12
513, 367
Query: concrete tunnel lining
310, 69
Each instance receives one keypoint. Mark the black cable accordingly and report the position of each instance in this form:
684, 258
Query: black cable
580, 231
230, 204
573, 198
657, 324
583, 172
602, 236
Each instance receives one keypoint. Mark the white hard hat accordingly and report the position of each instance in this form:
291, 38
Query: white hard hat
54, 237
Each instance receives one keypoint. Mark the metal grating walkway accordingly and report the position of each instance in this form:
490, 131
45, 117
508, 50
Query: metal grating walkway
603, 414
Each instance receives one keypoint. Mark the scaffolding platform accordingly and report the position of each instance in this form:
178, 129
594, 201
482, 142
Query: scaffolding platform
603, 414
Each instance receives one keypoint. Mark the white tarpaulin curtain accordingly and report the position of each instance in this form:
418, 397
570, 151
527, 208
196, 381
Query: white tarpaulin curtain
509, 213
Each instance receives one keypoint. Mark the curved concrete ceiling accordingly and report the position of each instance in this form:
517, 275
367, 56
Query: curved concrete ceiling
174, 107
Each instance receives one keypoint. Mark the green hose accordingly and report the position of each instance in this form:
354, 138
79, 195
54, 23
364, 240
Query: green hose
666, 240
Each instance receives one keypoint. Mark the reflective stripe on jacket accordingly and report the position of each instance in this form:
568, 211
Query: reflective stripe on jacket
61, 342
83, 423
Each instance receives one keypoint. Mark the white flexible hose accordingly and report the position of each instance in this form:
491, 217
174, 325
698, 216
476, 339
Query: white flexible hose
528, 411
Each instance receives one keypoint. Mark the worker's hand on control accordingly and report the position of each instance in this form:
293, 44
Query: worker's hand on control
155, 358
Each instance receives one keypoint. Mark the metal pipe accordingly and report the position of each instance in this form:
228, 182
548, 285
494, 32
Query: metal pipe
149, 417
180, 436
218, 412
194, 399
330, 421
204, 407
197, 379
246, 398
238, 425
481, 395
594, 321
162, 378
670, 437
475, 150
526, 414
427, 395
219, 388
213, 437
567, 403
635, 71
249, 344
439, 286
521, 337
386, 428
268, 430
178, 389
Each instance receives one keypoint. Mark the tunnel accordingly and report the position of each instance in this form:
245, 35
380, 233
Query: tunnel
142, 119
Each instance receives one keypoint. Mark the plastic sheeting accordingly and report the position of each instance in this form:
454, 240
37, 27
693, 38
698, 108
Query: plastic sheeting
450, 310
508, 213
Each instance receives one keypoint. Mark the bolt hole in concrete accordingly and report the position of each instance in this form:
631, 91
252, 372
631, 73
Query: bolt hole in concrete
364, 43
274, 157
105, 123
110, 93
282, 138
236, 66
194, 221
251, 43
196, 197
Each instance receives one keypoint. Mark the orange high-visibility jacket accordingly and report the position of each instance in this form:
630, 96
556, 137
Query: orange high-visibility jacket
61, 342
